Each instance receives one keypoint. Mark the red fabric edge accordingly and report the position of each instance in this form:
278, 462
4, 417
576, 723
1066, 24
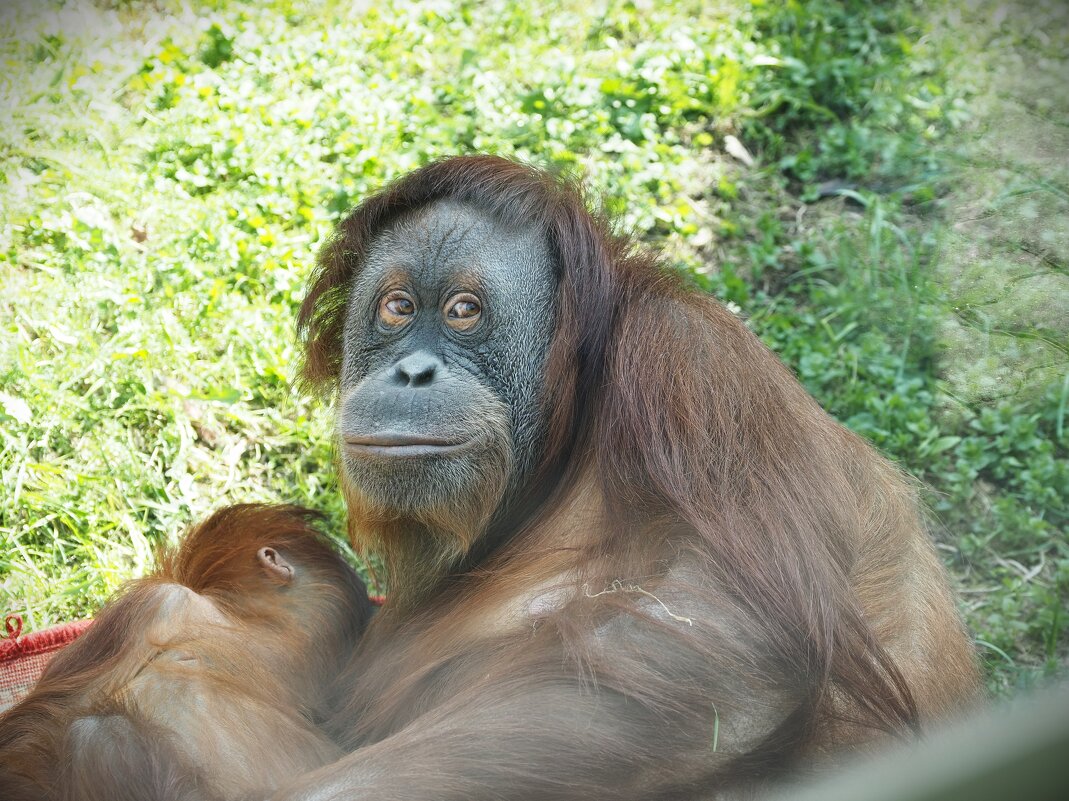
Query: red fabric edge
37, 642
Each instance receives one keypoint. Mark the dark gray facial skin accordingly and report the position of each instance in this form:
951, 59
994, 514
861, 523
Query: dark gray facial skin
429, 415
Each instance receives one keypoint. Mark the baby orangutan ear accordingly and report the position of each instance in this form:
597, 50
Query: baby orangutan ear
277, 568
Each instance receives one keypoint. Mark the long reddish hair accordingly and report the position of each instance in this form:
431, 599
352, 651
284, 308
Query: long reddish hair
699, 439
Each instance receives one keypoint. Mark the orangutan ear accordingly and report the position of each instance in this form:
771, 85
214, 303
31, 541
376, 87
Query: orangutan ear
274, 565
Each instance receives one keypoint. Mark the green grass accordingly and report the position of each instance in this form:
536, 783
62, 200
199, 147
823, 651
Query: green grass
167, 180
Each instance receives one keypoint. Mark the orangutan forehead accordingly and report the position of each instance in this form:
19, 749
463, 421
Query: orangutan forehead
448, 238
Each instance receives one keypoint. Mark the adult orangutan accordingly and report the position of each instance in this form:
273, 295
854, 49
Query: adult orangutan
629, 556
202, 682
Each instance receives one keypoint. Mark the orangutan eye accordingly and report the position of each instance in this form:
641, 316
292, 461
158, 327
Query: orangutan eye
462, 311
396, 308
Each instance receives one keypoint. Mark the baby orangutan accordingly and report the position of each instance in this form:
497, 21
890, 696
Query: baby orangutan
201, 682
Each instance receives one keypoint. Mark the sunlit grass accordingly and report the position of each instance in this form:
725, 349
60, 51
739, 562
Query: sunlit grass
168, 176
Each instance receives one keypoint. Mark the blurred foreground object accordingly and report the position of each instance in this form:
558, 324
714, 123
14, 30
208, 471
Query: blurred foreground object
1017, 751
